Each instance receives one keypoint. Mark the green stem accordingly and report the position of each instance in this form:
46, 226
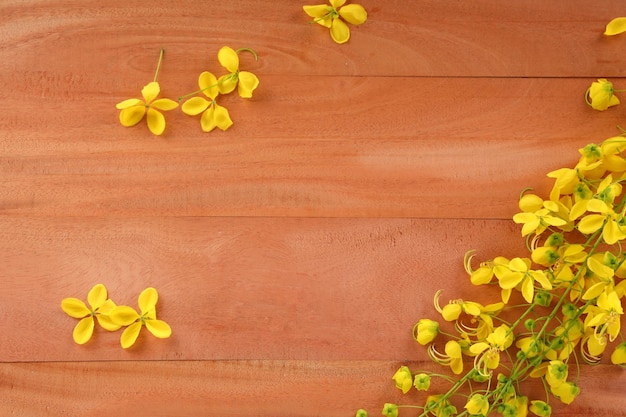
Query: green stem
156, 73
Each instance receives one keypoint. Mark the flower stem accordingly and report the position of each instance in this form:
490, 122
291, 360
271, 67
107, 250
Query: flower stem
256, 57
158, 64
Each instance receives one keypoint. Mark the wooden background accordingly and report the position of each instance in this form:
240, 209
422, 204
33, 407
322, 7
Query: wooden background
294, 252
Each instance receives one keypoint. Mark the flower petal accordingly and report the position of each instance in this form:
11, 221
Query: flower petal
208, 84
616, 26
148, 299
221, 117
156, 121
195, 106
128, 103
320, 14
248, 82
130, 334
207, 121
132, 115
75, 308
339, 31
106, 323
150, 91
123, 315
337, 3
227, 83
83, 330
97, 296
159, 328
228, 58
164, 104
353, 13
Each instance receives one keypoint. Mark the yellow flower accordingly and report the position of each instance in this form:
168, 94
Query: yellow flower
333, 17
540, 408
477, 405
613, 225
451, 357
615, 26
618, 357
101, 306
403, 379
127, 316
566, 392
213, 115
538, 219
498, 341
600, 95
519, 273
425, 331
133, 109
245, 81
608, 318
556, 373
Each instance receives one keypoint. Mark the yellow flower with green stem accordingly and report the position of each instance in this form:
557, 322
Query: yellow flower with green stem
128, 316
99, 308
213, 115
608, 318
600, 95
245, 81
477, 405
519, 273
536, 219
488, 352
452, 356
425, 331
332, 17
133, 110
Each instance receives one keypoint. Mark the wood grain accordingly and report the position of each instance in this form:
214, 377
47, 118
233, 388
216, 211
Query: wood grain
236, 388
294, 252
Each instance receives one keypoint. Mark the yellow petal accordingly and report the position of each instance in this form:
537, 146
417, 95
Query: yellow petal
164, 104
156, 122
195, 106
339, 31
97, 296
75, 308
247, 83
106, 323
207, 121
148, 299
83, 330
353, 13
150, 91
129, 335
228, 58
320, 13
128, 103
227, 83
221, 117
132, 115
591, 223
208, 84
612, 232
528, 290
616, 26
337, 3
159, 328
123, 315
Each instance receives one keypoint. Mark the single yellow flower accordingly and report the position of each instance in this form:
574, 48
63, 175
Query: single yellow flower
519, 273
488, 352
127, 316
403, 379
245, 81
613, 224
213, 115
540, 408
600, 95
333, 16
608, 319
101, 306
425, 331
133, 110
477, 405
566, 392
618, 357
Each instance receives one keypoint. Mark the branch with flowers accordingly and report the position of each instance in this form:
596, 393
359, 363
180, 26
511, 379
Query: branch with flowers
559, 306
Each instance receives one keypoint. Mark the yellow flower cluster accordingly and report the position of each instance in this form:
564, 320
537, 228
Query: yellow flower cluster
133, 110
112, 317
566, 299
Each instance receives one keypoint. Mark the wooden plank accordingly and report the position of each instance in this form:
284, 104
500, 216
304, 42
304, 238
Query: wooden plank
384, 154
481, 38
240, 288
235, 388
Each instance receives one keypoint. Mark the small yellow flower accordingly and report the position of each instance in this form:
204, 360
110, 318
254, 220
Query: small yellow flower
101, 306
425, 331
600, 95
566, 392
607, 320
556, 373
127, 316
403, 379
245, 81
213, 115
133, 110
477, 405
452, 356
488, 352
540, 408
333, 16
519, 273
618, 357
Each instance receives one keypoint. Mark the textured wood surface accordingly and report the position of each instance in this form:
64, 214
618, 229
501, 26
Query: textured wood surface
294, 252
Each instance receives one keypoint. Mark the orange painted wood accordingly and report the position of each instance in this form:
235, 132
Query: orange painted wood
236, 388
241, 288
